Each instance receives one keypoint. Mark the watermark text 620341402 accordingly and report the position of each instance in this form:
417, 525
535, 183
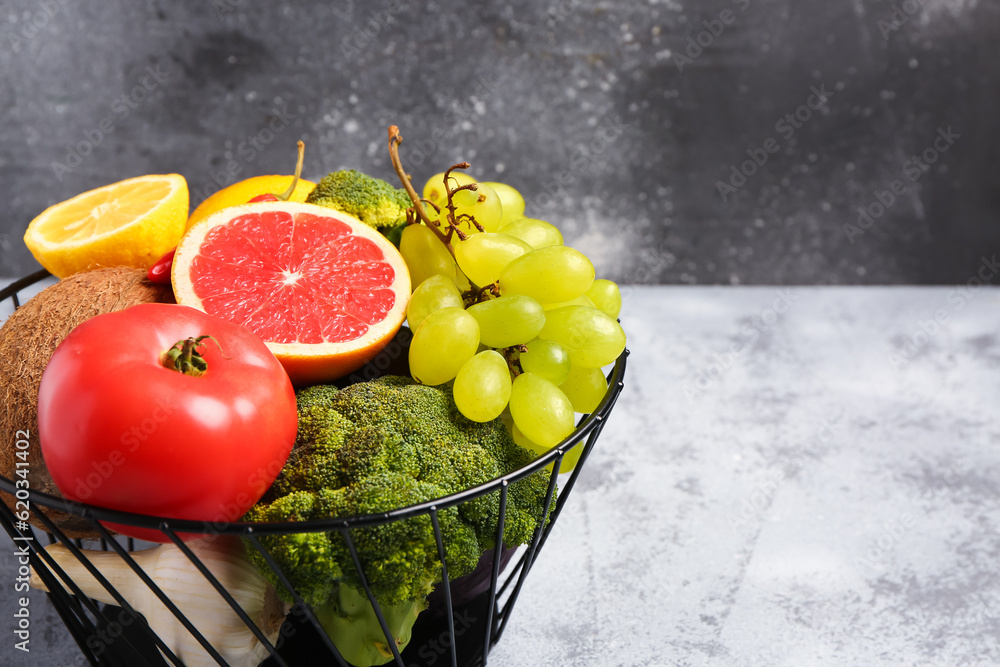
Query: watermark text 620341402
22, 510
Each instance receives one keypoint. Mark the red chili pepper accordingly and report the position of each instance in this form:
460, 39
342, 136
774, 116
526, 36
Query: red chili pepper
159, 272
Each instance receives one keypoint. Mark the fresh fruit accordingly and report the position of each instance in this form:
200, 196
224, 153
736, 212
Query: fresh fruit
581, 300
585, 388
27, 340
482, 205
129, 223
445, 340
540, 410
547, 359
527, 294
508, 320
550, 274
435, 293
164, 410
434, 189
536, 233
258, 189
606, 297
510, 199
570, 458
482, 386
590, 336
482, 257
425, 255
324, 291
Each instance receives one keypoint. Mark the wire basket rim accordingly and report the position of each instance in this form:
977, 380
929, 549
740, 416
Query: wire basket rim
95, 512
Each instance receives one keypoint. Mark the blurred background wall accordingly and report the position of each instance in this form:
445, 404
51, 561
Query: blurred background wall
718, 141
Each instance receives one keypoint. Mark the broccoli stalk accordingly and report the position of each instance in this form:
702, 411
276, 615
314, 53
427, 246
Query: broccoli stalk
371, 200
373, 447
351, 622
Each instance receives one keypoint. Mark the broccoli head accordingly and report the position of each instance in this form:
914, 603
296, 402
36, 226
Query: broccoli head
374, 447
371, 200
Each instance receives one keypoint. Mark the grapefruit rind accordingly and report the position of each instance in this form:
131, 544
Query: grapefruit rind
305, 363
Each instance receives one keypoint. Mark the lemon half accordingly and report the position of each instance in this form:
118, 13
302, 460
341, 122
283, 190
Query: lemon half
129, 223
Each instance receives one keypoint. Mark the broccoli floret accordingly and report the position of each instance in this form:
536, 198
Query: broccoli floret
373, 447
371, 200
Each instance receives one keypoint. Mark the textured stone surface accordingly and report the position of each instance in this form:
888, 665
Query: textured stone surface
810, 505
815, 486
583, 104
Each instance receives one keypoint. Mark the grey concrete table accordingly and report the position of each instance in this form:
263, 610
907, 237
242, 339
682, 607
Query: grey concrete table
802, 476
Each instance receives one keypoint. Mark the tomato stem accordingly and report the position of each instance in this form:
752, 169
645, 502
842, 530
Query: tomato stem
185, 358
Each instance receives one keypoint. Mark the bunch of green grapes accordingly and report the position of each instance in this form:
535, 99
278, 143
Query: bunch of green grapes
509, 315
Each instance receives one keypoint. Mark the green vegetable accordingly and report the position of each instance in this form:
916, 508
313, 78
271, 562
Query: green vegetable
373, 447
371, 200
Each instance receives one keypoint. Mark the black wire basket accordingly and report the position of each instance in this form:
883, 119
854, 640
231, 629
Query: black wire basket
465, 620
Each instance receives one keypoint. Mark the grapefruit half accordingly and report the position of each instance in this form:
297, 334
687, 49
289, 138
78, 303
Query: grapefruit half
325, 291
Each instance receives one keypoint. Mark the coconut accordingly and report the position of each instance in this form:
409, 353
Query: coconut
27, 340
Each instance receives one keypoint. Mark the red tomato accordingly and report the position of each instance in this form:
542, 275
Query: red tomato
120, 429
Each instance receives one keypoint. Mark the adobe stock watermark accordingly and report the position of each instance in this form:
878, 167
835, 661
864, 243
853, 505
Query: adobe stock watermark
248, 149
894, 531
131, 440
913, 170
786, 126
422, 149
583, 154
223, 7
35, 23
759, 499
927, 329
749, 334
362, 37
121, 108
714, 28
900, 16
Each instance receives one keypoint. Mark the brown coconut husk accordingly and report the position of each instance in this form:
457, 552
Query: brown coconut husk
27, 340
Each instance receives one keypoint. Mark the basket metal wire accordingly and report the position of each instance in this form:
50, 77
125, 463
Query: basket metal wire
108, 641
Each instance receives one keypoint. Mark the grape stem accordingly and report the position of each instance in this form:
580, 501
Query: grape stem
417, 213
514, 364
395, 139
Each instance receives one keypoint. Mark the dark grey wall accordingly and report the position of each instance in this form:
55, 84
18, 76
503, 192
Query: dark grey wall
610, 117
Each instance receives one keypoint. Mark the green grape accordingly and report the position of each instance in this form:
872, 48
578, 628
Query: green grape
507, 420
445, 340
509, 320
432, 294
581, 300
425, 255
483, 204
483, 256
585, 388
462, 280
434, 188
606, 297
482, 387
536, 233
548, 275
540, 410
547, 359
513, 202
570, 458
592, 338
